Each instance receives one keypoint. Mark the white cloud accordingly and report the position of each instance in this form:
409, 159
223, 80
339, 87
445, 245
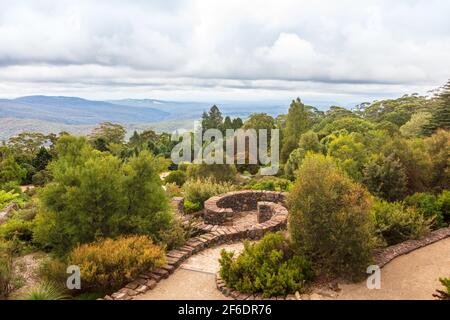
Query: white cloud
223, 48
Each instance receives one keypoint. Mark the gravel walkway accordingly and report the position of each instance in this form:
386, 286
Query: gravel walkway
194, 279
410, 277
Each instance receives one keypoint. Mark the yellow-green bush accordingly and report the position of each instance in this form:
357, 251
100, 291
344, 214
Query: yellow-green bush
269, 183
216, 172
199, 190
108, 264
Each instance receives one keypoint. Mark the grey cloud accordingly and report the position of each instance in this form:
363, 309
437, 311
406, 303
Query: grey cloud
225, 44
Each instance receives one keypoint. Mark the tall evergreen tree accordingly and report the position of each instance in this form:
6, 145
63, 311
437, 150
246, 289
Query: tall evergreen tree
212, 119
237, 123
227, 123
440, 118
297, 122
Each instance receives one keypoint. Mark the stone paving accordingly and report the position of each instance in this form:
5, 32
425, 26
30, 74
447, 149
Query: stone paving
194, 279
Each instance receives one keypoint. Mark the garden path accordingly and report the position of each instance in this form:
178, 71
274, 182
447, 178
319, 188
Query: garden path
194, 279
409, 277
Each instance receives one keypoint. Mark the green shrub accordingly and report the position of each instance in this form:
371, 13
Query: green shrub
426, 204
179, 177
191, 207
269, 267
46, 291
40, 178
173, 190
293, 163
443, 203
108, 264
215, 172
386, 178
176, 236
19, 232
198, 191
329, 218
7, 198
269, 183
395, 223
96, 195
53, 270
444, 294
183, 166
6, 270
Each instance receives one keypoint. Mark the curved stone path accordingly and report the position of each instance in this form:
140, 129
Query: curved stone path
412, 276
194, 279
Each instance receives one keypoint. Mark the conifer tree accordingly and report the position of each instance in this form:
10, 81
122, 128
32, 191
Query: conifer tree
441, 116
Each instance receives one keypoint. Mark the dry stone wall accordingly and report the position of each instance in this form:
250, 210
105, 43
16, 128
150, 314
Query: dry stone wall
220, 209
213, 235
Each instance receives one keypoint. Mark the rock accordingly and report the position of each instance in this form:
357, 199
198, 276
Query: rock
326, 293
142, 289
316, 296
4, 215
297, 295
151, 284
118, 295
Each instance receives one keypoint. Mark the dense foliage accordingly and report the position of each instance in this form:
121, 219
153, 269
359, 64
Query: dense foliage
329, 218
444, 294
198, 191
377, 174
108, 264
269, 183
96, 195
395, 223
269, 266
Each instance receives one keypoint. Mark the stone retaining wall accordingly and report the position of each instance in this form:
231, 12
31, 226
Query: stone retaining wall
220, 209
384, 256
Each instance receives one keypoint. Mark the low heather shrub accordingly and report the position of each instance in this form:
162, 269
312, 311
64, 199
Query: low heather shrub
108, 264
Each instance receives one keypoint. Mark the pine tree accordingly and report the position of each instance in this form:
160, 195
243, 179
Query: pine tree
227, 124
441, 116
237, 123
42, 159
297, 122
212, 119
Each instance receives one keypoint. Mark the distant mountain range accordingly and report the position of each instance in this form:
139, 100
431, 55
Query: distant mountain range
76, 115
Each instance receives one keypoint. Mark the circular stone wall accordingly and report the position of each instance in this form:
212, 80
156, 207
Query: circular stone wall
222, 208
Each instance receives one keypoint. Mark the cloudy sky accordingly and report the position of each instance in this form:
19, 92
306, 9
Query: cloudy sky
345, 51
